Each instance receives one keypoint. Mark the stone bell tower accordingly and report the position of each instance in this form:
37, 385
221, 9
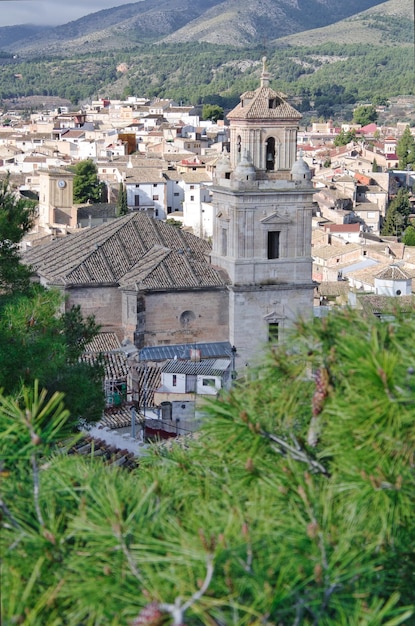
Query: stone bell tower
56, 208
262, 199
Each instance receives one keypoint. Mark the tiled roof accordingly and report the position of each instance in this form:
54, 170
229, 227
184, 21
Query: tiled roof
364, 275
117, 418
171, 157
162, 268
143, 175
103, 342
35, 159
329, 251
147, 379
95, 447
115, 364
392, 272
378, 305
113, 252
96, 210
342, 228
195, 177
333, 288
255, 105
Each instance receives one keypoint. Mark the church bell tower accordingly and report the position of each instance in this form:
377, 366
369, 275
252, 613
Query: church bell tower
262, 199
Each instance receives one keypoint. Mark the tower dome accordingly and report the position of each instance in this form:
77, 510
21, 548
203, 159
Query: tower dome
223, 167
300, 171
245, 170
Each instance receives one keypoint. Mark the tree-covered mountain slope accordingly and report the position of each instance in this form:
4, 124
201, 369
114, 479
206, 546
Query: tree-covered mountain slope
230, 22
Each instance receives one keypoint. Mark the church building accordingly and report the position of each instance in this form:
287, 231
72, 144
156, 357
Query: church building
156, 285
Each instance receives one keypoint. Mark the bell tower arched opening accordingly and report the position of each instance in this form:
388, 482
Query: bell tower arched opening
238, 148
270, 154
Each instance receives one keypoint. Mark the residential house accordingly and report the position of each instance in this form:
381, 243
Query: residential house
146, 190
189, 373
174, 191
330, 260
197, 199
347, 232
183, 380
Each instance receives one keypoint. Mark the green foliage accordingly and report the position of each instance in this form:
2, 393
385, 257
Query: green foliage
333, 77
16, 219
212, 112
122, 206
409, 236
345, 137
405, 149
393, 27
38, 343
86, 185
397, 214
293, 506
365, 114
175, 223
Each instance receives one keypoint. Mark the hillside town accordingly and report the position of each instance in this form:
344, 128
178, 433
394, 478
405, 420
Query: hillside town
207, 379
233, 229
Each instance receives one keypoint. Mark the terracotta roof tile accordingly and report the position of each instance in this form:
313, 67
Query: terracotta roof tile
255, 105
103, 342
392, 272
128, 250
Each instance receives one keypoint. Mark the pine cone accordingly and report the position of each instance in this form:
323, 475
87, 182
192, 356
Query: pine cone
321, 392
150, 615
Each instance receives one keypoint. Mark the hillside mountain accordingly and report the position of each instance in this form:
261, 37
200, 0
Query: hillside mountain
388, 23
232, 22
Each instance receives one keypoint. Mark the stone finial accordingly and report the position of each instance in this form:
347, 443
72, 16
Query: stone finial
265, 74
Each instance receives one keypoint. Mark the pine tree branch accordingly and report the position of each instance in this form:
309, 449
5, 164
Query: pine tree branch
177, 610
128, 555
4, 508
36, 490
296, 453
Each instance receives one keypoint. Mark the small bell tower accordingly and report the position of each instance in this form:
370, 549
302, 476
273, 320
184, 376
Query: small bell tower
56, 207
264, 127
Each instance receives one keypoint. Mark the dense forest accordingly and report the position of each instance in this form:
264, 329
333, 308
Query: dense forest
327, 77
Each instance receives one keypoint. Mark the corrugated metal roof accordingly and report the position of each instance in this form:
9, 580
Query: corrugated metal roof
359, 265
214, 349
207, 367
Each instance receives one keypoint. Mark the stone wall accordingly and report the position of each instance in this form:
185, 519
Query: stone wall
252, 312
102, 302
185, 316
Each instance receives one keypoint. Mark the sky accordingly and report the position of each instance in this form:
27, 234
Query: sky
50, 12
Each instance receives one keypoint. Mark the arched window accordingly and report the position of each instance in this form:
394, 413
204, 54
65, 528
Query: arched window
270, 154
238, 147
187, 318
